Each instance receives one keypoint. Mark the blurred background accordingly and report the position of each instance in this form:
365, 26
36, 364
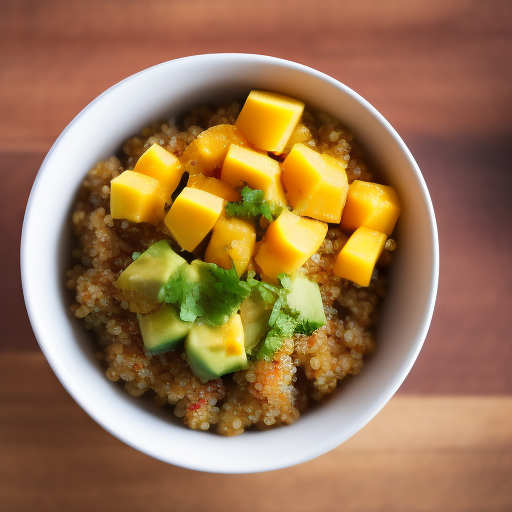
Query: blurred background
440, 71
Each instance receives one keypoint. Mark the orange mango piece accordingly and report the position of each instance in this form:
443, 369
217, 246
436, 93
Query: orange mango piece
192, 215
208, 150
316, 185
302, 175
232, 242
329, 200
214, 186
358, 256
137, 197
371, 205
162, 165
246, 166
288, 243
268, 119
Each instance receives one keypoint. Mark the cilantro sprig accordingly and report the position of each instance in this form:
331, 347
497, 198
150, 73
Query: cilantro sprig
213, 297
283, 321
187, 295
218, 293
253, 205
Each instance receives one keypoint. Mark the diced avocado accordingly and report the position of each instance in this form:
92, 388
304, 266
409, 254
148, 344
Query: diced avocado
206, 291
305, 298
255, 313
198, 272
163, 330
151, 270
214, 351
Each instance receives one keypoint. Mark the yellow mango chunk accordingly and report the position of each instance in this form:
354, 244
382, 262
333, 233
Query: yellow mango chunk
208, 150
137, 197
165, 167
288, 243
329, 200
268, 119
316, 185
358, 256
371, 205
302, 175
215, 186
232, 241
246, 166
192, 215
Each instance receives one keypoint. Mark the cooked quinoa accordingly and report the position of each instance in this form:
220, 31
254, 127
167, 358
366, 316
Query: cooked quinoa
267, 394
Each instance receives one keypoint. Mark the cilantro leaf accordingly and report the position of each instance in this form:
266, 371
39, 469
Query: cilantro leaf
267, 294
178, 290
273, 342
226, 296
253, 205
284, 321
213, 298
285, 281
306, 327
219, 293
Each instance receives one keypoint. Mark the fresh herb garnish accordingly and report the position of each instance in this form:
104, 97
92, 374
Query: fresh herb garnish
185, 294
283, 321
217, 294
213, 297
253, 205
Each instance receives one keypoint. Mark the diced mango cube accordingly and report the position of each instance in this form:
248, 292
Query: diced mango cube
232, 242
208, 150
137, 197
246, 166
328, 201
268, 119
288, 243
358, 256
316, 185
302, 175
165, 167
192, 215
371, 205
215, 186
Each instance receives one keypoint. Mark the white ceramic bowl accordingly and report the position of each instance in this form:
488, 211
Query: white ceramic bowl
96, 133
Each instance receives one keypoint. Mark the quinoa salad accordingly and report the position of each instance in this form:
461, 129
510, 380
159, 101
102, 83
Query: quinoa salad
273, 387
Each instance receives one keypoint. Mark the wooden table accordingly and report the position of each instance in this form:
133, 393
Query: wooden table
440, 72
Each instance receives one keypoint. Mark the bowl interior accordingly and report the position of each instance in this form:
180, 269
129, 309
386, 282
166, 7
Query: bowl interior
169, 90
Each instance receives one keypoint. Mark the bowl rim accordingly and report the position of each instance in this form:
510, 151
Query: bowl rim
67, 381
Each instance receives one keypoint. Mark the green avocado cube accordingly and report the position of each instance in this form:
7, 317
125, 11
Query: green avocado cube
255, 314
213, 351
163, 330
305, 298
151, 270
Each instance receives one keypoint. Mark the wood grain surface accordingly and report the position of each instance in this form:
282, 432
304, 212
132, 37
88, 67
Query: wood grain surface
428, 454
440, 71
